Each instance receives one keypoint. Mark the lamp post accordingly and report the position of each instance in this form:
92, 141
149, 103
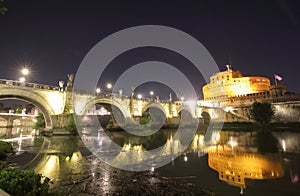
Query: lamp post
182, 99
139, 96
151, 94
25, 71
108, 85
98, 90
22, 79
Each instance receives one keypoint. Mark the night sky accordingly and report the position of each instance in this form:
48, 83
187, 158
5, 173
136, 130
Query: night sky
52, 37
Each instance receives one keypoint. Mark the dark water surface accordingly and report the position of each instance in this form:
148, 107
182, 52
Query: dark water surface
226, 165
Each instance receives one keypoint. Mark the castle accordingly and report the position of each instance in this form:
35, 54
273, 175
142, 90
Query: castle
231, 88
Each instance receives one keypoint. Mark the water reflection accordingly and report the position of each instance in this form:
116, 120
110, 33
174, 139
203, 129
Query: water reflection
235, 166
231, 158
60, 160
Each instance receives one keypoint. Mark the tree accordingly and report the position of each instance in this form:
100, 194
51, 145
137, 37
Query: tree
71, 126
145, 120
3, 9
5, 148
40, 121
18, 182
262, 113
17, 109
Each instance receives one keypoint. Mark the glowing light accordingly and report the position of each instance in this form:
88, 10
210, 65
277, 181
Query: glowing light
151, 93
215, 137
152, 169
98, 90
283, 145
25, 71
232, 143
139, 96
227, 109
185, 158
109, 86
182, 98
22, 79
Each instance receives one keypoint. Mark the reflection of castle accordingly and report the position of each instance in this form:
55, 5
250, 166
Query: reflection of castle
230, 87
233, 168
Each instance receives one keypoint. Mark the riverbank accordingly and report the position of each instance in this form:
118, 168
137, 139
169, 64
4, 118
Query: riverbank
251, 126
102, 179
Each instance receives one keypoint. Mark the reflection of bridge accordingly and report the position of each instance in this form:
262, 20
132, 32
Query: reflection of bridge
10, 117
54, 102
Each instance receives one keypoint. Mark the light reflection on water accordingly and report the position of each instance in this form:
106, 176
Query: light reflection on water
233, 156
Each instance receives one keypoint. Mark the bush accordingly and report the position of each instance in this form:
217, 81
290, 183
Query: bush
40, 122
5, 148
18, 182
71, 126
145, 120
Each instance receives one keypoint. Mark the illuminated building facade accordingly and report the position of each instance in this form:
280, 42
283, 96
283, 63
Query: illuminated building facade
231, 88
231, 83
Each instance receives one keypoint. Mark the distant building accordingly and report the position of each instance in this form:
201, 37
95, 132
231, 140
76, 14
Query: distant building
231, 88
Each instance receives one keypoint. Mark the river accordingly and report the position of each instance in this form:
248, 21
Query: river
230, 165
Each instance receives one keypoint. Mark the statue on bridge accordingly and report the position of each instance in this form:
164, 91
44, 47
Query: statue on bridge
70, 80
61, 85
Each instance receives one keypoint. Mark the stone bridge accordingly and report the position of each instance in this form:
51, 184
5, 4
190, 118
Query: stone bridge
54, 101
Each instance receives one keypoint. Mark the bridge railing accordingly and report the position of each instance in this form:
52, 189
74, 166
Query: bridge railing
116, 95
28, 84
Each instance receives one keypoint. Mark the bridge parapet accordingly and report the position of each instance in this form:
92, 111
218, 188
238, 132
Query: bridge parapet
28, 85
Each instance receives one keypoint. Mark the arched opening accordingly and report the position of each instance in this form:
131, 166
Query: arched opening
108, 115
153, 115
31, 97
41, 108
206, 117
19, 117
185, 116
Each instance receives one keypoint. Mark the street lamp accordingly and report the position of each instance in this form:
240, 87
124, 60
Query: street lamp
182, 99
22, 79
25, 71
139, 96
98, 90
109, 86
151, 94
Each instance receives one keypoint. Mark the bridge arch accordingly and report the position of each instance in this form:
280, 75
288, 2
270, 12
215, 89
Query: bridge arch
185, 108
158, 114
154, 105
206, 117
32, 97
108, 101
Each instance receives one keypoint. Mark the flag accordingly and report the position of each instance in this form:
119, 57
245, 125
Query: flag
228, 66
277, 77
